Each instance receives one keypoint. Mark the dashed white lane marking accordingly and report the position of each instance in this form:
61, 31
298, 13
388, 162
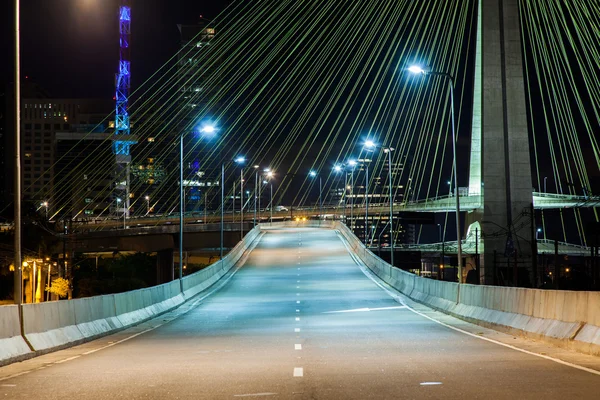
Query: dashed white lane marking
296, 329
297, 319
297, 301
15, 375
297, 310
297, 287
8, 385
67, 359
255, 394
430, 383
365, 309
297, 347
298, 372
297, 294
297, 281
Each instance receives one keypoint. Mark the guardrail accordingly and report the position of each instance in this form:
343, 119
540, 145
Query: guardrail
53, 325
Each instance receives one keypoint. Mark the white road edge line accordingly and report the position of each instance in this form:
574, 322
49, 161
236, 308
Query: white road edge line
191, 307
298, 372
369, 274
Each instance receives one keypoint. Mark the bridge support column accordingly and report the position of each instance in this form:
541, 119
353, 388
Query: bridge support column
164, 266
500, 157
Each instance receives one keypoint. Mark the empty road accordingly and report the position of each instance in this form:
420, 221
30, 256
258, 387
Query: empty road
299, 320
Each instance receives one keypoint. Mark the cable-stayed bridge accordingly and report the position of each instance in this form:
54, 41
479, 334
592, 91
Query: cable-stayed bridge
524, 119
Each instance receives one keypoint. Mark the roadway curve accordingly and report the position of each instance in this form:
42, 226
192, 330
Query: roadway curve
300, 320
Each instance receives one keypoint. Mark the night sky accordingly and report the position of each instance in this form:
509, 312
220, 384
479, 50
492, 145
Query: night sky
70, 47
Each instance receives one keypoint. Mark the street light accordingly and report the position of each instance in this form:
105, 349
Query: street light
256, 187
119, 202
240, 161
147, 204
270, 176
45, 204
415, 69
314, 174
209, 130
388, 151
352, 164
368, 146
338, 169
537, 233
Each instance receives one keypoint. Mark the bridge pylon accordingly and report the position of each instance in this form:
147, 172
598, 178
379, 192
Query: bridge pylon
500, 154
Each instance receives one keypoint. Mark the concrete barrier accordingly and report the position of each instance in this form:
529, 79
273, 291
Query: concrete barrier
12, 343
202, 280
564, 318
54, 325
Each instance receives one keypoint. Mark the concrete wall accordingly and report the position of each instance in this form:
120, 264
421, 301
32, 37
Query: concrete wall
11, 341
53, 325
568, 319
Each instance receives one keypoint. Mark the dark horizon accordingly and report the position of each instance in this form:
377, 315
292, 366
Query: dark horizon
70, 48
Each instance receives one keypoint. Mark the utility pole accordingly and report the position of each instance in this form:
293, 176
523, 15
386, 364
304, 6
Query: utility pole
18, 277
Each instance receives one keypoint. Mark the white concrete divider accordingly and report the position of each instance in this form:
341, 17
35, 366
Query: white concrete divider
12, 343
54, 325
201, 280
566, 318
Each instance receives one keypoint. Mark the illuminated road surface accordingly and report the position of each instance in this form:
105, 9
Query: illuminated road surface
300, 320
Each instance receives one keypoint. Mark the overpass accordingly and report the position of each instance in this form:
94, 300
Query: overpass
310, 313
468, 202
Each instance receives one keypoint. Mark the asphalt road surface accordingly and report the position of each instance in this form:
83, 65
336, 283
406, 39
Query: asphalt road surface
301, 320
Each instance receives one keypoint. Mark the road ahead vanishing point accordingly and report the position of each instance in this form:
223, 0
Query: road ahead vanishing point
300, 319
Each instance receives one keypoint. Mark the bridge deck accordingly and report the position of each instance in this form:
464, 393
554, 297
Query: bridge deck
300, 320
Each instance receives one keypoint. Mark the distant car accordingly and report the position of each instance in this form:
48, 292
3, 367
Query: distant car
280, 208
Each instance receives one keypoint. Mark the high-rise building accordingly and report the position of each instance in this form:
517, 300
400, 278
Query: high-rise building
199, 87
44, 122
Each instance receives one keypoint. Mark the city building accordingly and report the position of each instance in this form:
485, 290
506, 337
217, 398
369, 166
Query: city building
48, 127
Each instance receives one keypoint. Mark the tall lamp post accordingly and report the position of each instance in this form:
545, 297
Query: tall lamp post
415, 69
270, 176
124, 213
256, 167
147, 198
45, 205
314, 174
240, 161
352, 164
338, 169
207, 129
368, 146
388, 151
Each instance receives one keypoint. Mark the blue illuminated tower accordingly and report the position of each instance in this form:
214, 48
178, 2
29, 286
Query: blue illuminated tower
123, 141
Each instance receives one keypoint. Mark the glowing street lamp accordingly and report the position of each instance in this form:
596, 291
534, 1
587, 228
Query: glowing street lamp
313, 174
338, 168
240, 161
207, 130
45, 205
352, 165
388, 151
416, 69
369, 146
270, 176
